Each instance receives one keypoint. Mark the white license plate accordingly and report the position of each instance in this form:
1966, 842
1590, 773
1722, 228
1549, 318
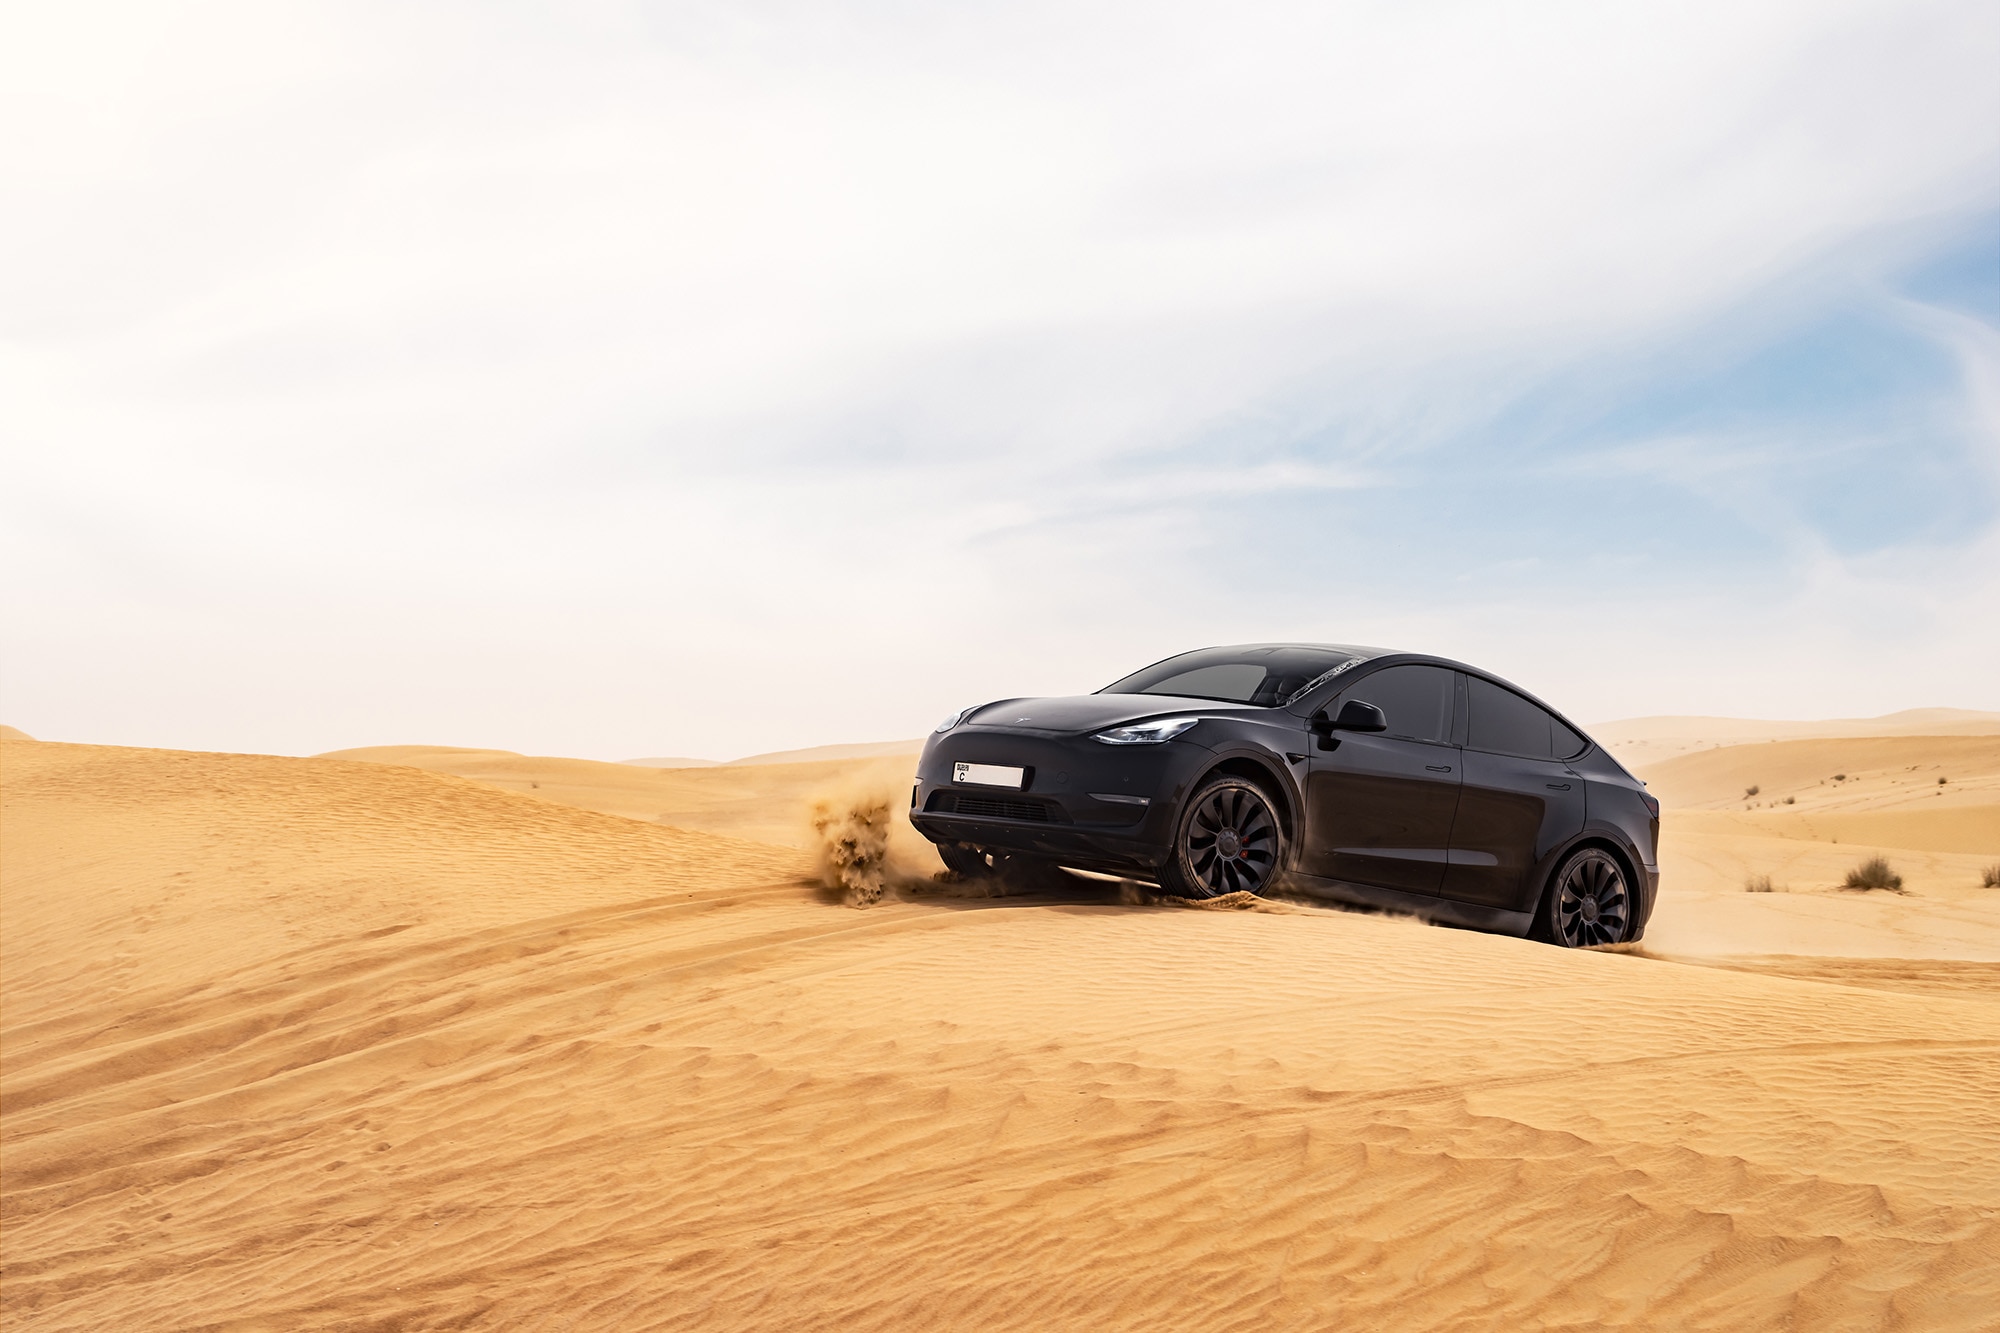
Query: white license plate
988, 775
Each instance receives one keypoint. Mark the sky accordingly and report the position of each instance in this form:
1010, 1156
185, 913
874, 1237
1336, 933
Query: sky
622, 379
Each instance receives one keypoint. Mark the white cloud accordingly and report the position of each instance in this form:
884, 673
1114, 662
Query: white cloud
630, 357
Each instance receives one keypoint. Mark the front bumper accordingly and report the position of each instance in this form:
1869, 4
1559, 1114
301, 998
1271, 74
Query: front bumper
1062, 812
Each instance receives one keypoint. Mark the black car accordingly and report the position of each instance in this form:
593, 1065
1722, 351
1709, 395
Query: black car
1388, 779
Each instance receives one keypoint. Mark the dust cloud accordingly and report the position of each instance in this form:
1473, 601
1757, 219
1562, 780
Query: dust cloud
852, 839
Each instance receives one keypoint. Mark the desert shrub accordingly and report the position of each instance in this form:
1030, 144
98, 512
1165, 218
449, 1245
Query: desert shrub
1989, 878
1758, 884
1788, 800
1840, 777
1940, 782
1874, 873
1751, 791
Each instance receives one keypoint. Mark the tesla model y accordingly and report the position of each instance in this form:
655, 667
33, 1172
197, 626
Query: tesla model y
1387, 779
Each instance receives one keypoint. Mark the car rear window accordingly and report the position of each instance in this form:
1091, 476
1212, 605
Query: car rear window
1269, 676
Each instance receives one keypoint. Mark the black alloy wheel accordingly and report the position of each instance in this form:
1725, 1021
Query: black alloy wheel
1229, 841
1587, 902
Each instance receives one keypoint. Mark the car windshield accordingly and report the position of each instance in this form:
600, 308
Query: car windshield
1268, 676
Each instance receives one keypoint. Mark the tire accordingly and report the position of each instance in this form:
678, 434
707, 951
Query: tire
1228, 840
1589, 902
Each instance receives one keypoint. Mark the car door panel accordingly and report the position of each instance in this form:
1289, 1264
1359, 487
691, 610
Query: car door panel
1511, 813
1380, 812
1380, 805
1514, 809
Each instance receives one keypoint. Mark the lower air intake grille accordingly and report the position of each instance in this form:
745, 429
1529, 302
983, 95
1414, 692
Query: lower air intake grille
992, 807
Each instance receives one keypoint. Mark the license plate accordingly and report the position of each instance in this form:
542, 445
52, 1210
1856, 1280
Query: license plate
988, 775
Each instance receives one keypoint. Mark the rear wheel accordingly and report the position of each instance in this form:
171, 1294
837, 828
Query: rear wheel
1228, 840
1588, 902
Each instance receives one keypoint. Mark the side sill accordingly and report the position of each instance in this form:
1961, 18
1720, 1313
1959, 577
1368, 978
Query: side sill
1440, 911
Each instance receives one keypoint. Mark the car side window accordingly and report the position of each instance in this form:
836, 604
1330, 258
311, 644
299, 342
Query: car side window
1416, 700
1568, 744
1505, 723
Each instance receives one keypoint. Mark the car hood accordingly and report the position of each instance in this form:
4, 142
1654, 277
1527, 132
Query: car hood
1091, 712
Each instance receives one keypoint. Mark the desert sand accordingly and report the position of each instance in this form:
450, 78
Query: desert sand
751, 798
470, 1039
862, 750
1822, 806
1642, 741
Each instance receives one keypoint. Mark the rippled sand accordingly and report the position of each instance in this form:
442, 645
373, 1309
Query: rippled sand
315, 1043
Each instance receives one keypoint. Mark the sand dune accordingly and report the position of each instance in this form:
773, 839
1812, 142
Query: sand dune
767, 802
1820, 808
311, 1043
1913, 775
1939, 839
1649, 740
813, 755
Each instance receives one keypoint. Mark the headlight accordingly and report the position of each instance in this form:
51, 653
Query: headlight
1146, 733
957, 718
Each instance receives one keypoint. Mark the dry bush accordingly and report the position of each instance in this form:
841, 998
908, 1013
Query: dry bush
1874, 873
1750, 791
1989, 878
1758, 884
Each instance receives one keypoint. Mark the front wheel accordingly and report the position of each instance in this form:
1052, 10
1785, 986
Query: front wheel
1228, 840
1588, 902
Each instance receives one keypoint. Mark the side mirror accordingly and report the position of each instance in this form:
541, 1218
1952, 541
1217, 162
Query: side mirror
1358, 716
1355, 715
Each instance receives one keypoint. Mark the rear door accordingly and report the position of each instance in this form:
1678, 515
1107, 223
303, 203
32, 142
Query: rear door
1518, 801
1379, 806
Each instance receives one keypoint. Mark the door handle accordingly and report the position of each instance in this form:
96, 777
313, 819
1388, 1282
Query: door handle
1437, 768
1556, 786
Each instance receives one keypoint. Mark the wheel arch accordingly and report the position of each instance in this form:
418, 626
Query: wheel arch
1635, 879
1268, 778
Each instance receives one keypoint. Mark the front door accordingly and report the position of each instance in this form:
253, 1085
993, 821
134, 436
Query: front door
1379, 806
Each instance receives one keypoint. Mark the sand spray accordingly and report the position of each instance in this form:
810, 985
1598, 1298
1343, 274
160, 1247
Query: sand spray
853, 840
